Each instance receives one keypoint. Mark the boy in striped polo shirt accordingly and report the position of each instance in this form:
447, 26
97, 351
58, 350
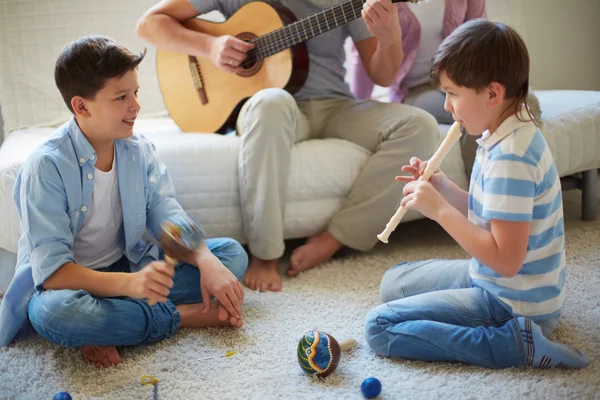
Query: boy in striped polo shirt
497, 309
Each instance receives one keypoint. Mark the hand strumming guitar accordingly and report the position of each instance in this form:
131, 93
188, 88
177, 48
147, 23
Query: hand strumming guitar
228, 52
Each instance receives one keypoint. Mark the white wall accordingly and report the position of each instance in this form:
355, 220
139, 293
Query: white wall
563, 38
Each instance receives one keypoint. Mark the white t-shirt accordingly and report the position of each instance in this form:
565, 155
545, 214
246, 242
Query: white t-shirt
430, 15
99, 242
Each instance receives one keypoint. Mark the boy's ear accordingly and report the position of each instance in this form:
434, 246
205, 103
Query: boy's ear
79, 106
496, 93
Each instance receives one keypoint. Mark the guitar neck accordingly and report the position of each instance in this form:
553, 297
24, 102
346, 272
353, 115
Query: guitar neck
310, 27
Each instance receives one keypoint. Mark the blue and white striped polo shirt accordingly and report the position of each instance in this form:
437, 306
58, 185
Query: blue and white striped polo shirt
515, 179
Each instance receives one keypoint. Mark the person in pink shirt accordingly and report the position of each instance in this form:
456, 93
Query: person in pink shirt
424, 26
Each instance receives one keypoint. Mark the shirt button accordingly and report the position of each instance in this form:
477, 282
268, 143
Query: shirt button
92, 157
84, 208
89, 176
82, 160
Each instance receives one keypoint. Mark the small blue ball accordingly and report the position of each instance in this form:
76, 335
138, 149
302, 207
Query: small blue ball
370, 388
62, 396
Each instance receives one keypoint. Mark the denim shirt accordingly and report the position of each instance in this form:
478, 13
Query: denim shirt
52, 193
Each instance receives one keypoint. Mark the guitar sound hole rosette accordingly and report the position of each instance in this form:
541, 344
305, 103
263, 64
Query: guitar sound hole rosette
254, 66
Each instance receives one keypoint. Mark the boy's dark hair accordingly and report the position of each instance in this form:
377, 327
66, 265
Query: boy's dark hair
480, 52
84, 66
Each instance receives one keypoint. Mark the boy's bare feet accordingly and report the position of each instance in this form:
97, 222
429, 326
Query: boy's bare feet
318, 249
263, 275
101, 356
192, 316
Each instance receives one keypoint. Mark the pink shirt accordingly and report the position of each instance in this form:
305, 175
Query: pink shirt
456, 12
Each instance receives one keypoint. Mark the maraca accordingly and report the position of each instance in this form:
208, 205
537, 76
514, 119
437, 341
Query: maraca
180, 236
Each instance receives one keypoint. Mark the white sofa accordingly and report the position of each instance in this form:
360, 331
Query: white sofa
204, 166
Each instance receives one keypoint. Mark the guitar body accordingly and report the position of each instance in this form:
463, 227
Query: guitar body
210, 100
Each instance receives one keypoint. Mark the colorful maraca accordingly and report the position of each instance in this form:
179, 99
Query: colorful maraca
180, 236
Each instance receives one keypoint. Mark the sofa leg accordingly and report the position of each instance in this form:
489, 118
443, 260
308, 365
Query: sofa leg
589, 194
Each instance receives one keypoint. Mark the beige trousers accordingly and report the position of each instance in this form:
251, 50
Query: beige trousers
271, 122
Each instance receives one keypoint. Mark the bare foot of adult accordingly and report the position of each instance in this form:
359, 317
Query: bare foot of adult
263, 275
193, 316
318, 249
101, 356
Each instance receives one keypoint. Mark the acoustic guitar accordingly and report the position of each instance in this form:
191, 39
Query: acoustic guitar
200, 97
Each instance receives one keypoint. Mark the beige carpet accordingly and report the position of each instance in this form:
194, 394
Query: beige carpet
333, 298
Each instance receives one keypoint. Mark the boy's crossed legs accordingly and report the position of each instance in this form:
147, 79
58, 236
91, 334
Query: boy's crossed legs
75, 318
434, 313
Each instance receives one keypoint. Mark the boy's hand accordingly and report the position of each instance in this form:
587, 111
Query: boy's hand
421, 196
216, 280
153, 282
416, 168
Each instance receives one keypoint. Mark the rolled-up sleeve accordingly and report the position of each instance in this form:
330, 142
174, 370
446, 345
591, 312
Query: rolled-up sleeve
42, 206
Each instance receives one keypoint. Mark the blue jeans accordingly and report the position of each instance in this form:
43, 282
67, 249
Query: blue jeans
433, 312
75, 318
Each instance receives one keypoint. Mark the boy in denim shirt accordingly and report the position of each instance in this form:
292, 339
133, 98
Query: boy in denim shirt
85, 198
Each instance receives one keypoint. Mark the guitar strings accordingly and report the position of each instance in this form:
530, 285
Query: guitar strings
286, 41
337, 7
324, 12
341, 11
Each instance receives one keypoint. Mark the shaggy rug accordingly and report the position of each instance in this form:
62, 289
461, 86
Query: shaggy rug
333, 298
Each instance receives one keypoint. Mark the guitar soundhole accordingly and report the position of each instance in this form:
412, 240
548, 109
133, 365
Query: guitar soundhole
252, 64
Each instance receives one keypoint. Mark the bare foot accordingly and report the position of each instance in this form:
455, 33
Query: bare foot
318, 249
101, 356
263, 275
193, 316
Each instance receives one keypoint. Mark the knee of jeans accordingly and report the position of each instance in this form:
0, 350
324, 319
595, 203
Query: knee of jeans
56, 310
234, 257
390, 289
375, 335
389, 292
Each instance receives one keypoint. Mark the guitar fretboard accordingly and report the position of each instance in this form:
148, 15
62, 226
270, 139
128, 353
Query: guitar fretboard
309, 27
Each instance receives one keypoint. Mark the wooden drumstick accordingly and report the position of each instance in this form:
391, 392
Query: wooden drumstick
432, 165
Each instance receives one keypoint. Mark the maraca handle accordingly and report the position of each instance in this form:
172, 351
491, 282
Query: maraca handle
169, 260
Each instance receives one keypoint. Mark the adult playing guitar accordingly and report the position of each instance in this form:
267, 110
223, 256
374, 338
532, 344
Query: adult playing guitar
272, 120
